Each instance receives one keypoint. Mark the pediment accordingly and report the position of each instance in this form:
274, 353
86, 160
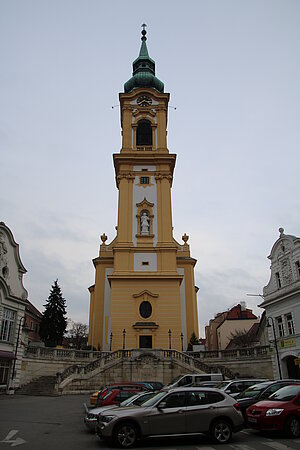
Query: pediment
145, 294
145, 203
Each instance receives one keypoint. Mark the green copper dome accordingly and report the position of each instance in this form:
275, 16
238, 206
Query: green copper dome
143, 70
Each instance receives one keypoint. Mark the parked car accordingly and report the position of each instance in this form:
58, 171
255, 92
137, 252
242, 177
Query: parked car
91, 415
153, 385
194, 379
115, 396
260, 391
236, 386
179, 411
280, 412
99, 394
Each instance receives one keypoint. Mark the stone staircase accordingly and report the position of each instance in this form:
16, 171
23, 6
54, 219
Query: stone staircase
43, 386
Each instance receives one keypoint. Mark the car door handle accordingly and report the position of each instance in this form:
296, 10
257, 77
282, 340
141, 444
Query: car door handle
212, 407
180, 411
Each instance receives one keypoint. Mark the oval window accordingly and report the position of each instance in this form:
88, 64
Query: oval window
145, 310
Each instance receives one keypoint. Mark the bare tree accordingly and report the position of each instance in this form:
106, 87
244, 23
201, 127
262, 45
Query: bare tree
78, 334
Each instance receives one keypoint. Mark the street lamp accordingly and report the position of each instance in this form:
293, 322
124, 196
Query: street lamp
110, 341
170, 339
181, 337
17, 345
124, 334
271, 324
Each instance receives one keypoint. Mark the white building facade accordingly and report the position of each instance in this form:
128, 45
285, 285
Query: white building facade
282, 305
13, 297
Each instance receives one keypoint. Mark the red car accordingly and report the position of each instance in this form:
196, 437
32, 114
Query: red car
280, 412
115, 395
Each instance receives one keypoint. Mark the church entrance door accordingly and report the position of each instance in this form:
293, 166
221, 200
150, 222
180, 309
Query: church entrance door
145, 341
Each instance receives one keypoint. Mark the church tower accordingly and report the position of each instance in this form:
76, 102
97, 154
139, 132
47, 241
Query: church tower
144, 294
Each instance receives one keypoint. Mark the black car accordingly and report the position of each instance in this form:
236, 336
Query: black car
260, 391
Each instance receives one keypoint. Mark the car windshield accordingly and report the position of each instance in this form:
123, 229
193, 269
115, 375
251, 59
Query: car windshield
129, 400
253, 390
222, 385
175, 379
151, 401
285, 394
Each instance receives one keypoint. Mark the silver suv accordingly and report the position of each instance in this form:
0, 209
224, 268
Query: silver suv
235, 387
179, 411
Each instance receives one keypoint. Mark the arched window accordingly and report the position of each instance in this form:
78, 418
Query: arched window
144, 133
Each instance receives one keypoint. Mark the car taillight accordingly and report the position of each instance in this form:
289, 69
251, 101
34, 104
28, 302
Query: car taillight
237, 406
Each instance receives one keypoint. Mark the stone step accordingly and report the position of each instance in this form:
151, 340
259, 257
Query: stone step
40, 386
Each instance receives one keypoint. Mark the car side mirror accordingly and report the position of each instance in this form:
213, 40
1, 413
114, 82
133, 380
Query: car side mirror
162, 405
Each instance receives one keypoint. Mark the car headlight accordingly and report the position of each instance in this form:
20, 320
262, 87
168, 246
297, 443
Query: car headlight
274, 412
106, 419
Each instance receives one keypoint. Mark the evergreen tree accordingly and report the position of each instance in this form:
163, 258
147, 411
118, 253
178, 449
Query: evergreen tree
193, 341
54, 323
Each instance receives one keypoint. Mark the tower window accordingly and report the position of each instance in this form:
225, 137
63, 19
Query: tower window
144, 133
144, 180
278, 280
145, 309
298, 268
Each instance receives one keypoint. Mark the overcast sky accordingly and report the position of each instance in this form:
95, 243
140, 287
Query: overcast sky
232, 68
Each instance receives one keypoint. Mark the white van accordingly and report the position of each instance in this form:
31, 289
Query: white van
194, 379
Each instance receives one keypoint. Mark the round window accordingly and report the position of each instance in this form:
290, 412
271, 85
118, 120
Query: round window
145, 310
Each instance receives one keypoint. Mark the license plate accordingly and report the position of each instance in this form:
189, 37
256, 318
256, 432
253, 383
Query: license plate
252, 420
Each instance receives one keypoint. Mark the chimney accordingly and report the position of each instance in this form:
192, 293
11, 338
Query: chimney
243, 306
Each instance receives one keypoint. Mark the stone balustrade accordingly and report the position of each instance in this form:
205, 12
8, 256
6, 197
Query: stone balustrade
85, 355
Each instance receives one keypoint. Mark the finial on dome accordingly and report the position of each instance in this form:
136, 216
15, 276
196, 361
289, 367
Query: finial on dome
281, 231
144, 32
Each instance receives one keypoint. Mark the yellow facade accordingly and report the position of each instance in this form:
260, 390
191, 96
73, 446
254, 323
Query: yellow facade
144, 293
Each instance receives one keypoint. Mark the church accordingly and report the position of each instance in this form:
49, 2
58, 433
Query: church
144, 294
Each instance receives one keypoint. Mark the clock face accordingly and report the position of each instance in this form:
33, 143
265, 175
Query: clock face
144, 100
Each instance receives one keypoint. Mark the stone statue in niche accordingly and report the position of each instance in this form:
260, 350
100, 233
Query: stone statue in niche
145, 224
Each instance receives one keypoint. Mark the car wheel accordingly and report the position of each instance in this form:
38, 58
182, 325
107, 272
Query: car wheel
292, 427
221, 431
125, 435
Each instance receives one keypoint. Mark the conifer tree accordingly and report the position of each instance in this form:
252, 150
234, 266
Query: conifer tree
193, 341
54, 323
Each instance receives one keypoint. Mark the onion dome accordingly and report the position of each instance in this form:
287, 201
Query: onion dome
143, 70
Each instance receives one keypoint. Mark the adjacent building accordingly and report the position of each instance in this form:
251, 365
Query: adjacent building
226, 324
144, 294
13, 298
282, 305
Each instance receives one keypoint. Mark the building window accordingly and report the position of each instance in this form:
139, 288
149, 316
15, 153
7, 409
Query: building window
7, 326
145, 309
31, 325
144, 180
278, 280
297, 263
280, 326
4, 370
290, 323
144, 133
36, 328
